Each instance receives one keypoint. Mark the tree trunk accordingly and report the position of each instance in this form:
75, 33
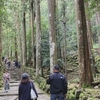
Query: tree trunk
90, 38
64, 20
20, 55
32, 25
0, 45
24, 40
38, 39
24, 34
98, 23
16, 53
52, 35
86, 77
18, 38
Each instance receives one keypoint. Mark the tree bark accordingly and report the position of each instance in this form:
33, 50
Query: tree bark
32, 26
0, 44
90, 38
98, 23
18, 38
86, 77
38, 39
52, 34
64, 20
24, 34
89, 31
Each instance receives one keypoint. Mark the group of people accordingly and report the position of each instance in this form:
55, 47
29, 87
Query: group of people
7, 62
10, 64
57, 82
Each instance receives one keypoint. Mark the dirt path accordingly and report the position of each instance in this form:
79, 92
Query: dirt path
12, 94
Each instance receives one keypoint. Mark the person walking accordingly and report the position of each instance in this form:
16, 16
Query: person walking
58, 84
8, 63
25, 88
6, 79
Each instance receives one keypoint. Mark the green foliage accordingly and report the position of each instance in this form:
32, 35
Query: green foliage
71, 36
45, 51
97, 61
2, 10
45, 35
41, 83
29, 45
46, 62
71, 96
10, 32
94, 4
83, 97
86, 96
72, 60
1, 74
60, 63
29, 70
76, 80
85, 85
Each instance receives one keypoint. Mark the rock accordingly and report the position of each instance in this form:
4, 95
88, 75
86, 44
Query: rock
77, 93
96, 87
98, 96
95, 83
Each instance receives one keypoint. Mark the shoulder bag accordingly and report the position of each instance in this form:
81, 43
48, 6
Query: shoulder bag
32, 93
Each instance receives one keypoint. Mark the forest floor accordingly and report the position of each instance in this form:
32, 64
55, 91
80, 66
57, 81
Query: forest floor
73, 81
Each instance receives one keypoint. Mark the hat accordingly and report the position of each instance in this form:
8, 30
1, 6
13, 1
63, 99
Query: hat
25, 76
56, 67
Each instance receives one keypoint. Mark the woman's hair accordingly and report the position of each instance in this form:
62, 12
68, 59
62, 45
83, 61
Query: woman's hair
25, 78
5, 70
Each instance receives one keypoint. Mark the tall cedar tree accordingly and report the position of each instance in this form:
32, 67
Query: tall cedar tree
52, 34
38, 39
86, 77
0, 43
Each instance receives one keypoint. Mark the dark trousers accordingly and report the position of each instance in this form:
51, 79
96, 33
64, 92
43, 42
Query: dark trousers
57, 96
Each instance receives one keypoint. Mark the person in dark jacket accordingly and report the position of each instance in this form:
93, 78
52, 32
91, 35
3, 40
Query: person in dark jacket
58, 84
25, 88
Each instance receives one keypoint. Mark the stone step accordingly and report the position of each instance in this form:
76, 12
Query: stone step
12, 94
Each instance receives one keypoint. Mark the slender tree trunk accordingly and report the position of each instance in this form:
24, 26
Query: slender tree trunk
24, 40
0, 44
52, 35
18, 37
21, 49
64, 20
16, 32
19, 44
98, 23
32, 25
38, 39
24, 34
29, 45
86, 77
16, 54
57, 29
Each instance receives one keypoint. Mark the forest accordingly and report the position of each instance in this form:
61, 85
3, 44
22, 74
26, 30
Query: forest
42, 33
